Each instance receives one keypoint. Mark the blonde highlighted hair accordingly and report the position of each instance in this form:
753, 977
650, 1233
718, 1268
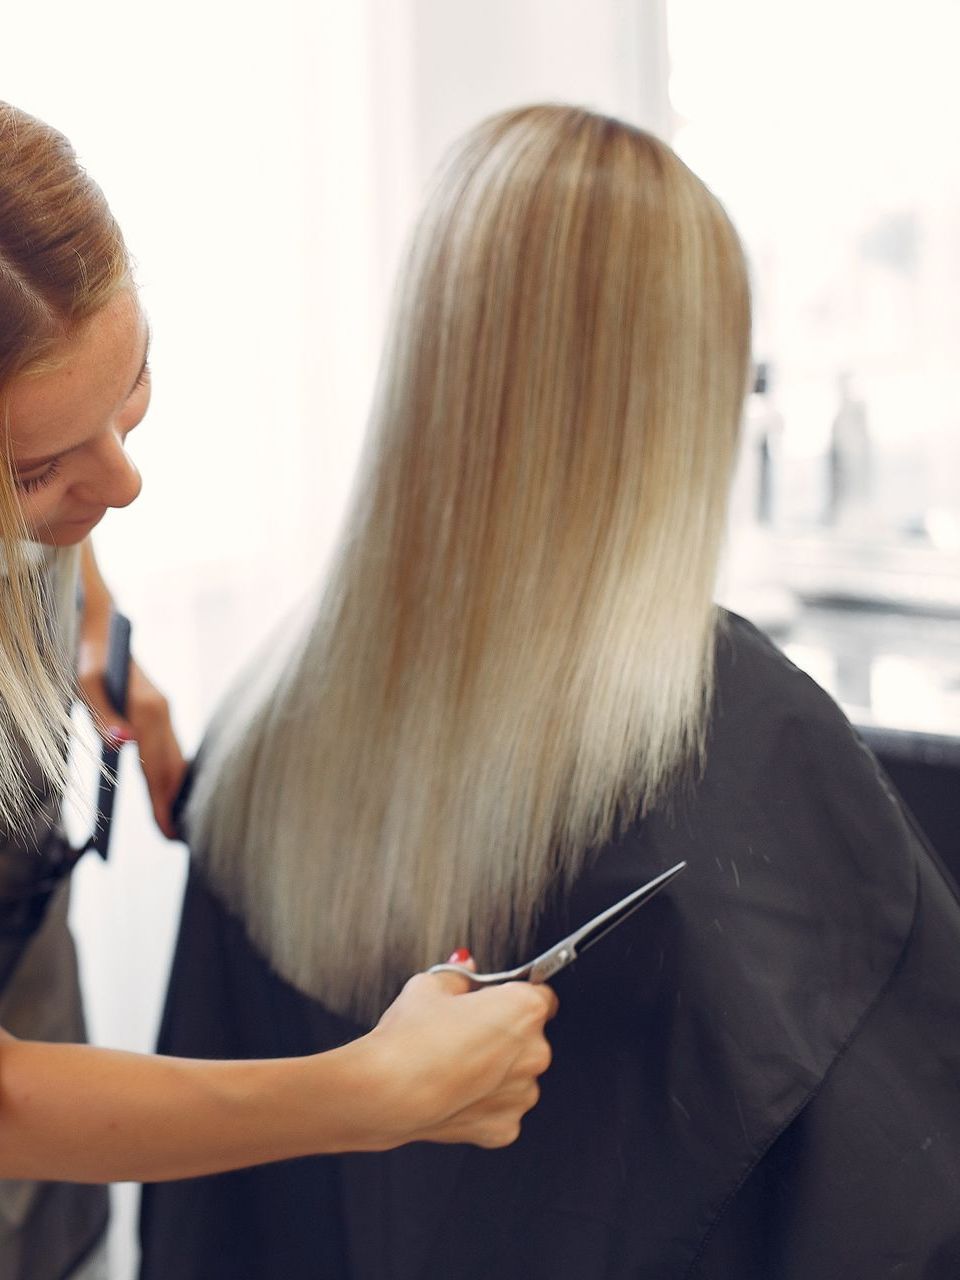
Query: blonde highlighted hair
513, 652
62, 258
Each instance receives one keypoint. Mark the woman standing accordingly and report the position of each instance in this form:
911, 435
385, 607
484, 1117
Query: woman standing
74, 382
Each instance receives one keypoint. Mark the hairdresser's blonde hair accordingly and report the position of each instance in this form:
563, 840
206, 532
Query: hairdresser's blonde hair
513, 653
62, 258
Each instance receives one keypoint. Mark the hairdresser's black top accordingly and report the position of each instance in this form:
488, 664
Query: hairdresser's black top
757, 1076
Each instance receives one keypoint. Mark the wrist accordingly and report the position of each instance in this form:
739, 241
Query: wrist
382, 1107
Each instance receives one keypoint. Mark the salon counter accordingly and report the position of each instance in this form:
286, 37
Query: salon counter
896, 673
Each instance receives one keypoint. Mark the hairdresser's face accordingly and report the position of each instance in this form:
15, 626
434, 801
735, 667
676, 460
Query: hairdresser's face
69, 425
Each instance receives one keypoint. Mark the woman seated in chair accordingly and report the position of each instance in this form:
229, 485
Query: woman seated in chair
512, 702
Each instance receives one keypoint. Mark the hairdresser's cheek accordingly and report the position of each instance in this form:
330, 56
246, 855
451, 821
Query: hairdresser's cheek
40, 513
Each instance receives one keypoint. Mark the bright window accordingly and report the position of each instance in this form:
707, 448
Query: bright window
831, 130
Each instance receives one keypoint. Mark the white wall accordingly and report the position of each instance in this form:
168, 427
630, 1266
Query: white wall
447, 64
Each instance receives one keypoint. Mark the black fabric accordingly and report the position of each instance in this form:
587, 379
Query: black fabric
932, 791
224, 1002
758, 1075
66, 1223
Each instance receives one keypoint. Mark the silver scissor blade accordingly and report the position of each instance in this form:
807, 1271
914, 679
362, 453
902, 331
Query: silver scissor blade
567, 950
602, 924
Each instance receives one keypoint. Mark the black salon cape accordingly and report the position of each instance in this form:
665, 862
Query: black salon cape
757, 1076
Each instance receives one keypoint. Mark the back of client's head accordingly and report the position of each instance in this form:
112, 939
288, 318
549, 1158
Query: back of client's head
513, 652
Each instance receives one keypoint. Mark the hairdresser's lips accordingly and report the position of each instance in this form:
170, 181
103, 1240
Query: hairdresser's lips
67, 533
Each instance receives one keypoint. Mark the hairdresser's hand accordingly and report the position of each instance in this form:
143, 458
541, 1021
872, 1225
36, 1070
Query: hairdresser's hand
462, 1066
147, 722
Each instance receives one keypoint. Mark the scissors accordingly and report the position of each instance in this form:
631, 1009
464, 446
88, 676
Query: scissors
567, 949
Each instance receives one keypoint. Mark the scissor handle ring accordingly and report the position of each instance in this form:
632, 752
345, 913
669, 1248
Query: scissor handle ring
484, 979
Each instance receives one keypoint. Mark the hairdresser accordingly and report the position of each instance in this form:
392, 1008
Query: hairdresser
74, 383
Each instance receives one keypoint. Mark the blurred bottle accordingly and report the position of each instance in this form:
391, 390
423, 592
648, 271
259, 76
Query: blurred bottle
849, 461
754, 495
751, 579
764, 430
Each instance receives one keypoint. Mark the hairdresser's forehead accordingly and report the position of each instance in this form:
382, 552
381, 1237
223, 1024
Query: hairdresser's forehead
88, 378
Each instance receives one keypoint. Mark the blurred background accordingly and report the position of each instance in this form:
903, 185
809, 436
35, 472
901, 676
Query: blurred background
265, 162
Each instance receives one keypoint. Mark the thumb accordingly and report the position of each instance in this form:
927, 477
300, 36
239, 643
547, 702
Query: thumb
112, 727
107, 720
454, 983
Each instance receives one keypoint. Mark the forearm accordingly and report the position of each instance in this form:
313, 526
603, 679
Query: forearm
440, 1066
81, 1114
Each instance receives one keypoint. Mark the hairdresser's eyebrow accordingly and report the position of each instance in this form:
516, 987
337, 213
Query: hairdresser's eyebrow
34, 464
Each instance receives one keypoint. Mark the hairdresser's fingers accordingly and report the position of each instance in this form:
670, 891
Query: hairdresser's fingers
150, 727
454, 983
544, 997
447, 1053
493, 1122
534, 993
107, 720
527, 1004
163, 785
162, 760
163, 768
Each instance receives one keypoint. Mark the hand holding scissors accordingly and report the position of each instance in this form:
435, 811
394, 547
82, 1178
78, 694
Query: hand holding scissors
567, 949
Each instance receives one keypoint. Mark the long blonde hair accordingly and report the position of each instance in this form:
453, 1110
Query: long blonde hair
62, 258
513, 652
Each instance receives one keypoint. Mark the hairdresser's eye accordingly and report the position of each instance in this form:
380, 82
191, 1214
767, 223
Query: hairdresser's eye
141, 385
30, 484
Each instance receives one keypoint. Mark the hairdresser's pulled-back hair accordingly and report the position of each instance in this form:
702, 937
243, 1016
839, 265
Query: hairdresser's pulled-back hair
513, 654
62, 258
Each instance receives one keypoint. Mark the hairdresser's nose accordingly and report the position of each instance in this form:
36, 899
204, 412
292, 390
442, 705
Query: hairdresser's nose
128, 484
114, 480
